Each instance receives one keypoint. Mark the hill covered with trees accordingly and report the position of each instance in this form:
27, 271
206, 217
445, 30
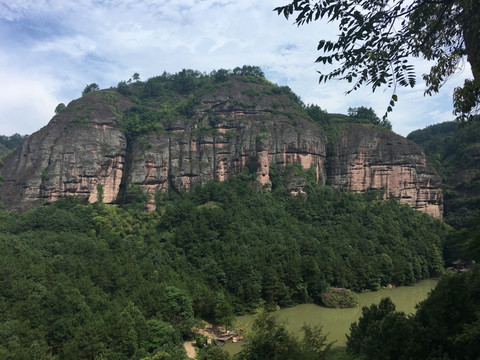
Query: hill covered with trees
455, 154
177, 131
83, 281
9, 143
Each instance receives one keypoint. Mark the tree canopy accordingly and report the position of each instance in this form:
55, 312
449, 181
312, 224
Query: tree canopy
85, 281
445, 326
363, 112
90, 88
271, 340
378, 40
452, 152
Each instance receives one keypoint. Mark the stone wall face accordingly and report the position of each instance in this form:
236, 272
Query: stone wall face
184, 156
64, 159
367, 158
84, 149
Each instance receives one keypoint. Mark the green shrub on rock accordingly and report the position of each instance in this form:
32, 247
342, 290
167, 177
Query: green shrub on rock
340, 298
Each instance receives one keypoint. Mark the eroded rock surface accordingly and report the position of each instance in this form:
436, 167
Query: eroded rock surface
222, 139
77, 151
368, 158
84, 150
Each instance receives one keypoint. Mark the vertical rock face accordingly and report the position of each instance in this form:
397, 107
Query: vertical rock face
190, 153
366, 158
84, 150
74, 153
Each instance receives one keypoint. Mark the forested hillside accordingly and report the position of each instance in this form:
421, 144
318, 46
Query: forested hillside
455, 154
83, 279
8, 143
103, 281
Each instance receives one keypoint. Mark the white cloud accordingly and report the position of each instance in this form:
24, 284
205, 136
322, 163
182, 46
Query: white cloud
27, 102
19, 9
67, 44
75, 46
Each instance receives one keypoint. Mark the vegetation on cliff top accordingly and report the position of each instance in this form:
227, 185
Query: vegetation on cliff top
163, 98
196, 98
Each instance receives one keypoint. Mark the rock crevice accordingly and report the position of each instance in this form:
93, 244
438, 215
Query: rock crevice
85, 148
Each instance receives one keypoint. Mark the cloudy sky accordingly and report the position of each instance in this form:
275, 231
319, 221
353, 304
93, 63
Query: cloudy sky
51, 49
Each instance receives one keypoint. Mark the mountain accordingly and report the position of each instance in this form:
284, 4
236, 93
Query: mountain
8, 143
367, 158
455, 154
174, 132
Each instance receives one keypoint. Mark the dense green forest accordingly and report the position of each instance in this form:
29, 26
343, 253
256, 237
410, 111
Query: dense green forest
455, 154
98, 281
9, 143
106, 281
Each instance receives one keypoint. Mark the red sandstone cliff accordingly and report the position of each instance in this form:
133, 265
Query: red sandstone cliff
72, 155
245, 132
368, 158
84, 150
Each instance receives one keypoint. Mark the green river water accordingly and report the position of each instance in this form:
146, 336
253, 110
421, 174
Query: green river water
336, 322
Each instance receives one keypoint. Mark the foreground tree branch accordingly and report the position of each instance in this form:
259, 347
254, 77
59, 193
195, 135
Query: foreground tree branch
379, 38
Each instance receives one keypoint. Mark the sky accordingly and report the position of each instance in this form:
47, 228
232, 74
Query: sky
51, 49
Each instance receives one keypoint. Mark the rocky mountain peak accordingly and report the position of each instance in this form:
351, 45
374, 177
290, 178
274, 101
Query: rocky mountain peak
159, 136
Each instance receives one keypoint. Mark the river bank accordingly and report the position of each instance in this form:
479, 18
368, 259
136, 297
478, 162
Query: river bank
336, 322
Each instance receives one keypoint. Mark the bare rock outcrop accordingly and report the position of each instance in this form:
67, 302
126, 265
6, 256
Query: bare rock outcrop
222, 139
75, 153
368, 158
84, 151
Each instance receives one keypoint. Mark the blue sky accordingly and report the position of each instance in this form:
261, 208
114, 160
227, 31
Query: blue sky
51, 49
